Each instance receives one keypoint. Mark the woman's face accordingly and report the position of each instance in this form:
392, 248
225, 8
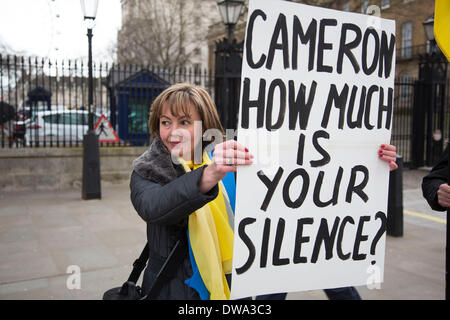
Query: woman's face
177, 133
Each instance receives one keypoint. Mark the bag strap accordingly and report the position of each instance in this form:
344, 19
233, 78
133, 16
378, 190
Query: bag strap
174, 259
139, 265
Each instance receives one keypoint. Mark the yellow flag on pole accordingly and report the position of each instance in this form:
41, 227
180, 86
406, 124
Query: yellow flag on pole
442, 26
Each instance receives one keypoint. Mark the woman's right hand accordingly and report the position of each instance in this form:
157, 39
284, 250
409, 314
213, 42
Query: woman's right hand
443, 195
227, 156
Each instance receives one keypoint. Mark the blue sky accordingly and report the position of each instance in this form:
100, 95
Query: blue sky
55, 29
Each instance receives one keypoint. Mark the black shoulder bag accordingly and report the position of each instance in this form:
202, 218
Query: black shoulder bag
130, 291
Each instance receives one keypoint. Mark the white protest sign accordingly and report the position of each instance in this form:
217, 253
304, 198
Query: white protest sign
316, 104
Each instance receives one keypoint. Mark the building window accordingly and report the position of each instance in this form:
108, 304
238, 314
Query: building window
405, 83
407, 39
385, 4
137, 115
364, 5
346, 6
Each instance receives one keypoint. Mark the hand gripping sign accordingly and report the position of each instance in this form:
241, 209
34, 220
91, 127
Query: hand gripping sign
317, 91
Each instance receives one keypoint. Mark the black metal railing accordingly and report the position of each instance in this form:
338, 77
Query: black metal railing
402, 117
228, 64
411, 52
421, 120
44, 102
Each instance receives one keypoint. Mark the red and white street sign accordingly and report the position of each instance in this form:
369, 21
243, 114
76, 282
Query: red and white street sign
105, 131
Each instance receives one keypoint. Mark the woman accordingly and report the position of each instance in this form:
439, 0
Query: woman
167, 187
180, 198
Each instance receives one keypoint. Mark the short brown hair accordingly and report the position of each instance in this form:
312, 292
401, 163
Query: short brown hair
179, 97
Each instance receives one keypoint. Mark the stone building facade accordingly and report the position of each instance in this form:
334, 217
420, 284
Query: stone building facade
409, 16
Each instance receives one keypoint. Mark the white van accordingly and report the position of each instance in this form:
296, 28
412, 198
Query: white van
56, 127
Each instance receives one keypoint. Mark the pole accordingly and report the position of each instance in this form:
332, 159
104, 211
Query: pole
394, 226
91, 188
447, 243
230, 28
227, 116
91, 83
442, 32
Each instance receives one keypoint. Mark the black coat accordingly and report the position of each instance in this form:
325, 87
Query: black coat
432, 181
164, 196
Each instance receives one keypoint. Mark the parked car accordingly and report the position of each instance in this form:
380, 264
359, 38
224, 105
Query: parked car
28, 112
57, 127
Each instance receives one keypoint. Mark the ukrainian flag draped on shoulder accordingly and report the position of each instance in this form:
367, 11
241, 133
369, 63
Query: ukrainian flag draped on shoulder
210, 237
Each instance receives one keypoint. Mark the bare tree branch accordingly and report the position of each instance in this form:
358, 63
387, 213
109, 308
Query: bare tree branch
160, 32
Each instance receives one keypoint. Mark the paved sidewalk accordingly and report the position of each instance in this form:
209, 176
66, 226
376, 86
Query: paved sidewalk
42, 234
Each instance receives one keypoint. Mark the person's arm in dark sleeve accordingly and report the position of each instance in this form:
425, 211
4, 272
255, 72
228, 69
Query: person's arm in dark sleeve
172, 202
432, 181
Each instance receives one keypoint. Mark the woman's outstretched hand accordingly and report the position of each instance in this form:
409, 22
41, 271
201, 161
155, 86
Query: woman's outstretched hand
388, 153
227, 156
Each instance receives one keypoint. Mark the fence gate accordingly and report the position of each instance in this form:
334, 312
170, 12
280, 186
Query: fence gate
430, 126
402, 119
228, 64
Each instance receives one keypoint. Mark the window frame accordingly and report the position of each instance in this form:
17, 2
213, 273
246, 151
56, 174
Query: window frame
406, 42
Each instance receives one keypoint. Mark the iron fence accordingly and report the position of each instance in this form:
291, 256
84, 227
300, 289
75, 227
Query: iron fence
421, 120
411, 52
44, 103
402, 117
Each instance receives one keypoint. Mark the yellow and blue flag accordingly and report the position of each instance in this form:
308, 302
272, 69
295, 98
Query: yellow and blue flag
442, 26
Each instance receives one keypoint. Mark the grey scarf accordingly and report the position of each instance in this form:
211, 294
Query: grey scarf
156, 164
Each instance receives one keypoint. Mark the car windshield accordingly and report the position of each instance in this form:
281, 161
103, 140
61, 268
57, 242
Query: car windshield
51, 118
68, 118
